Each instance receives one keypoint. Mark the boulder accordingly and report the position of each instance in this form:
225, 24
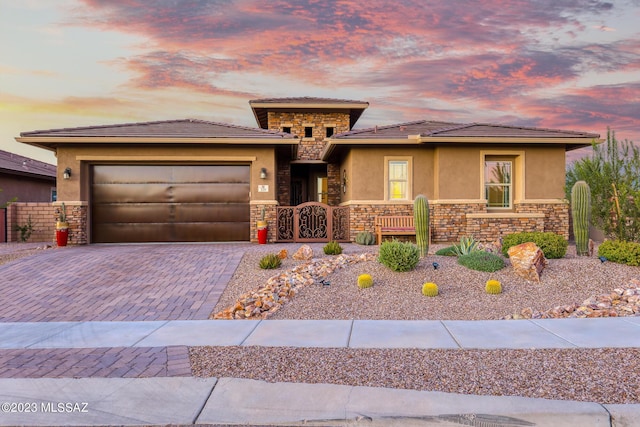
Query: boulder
527, 260
305, 253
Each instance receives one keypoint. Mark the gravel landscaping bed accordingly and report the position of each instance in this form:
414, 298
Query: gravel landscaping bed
398, 296
594, 375
599, 375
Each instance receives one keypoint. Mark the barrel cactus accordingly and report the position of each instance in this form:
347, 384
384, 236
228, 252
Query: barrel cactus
581, 212
365, 238
365, 281
430, 289
421, 222
493, 287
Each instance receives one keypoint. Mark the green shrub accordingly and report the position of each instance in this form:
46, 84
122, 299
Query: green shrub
448, 251
365, 281
553, 245
620, 252
270, 261
466, 246
365, 238
399, 256
430, 289
482, 261
332, 248
25, 230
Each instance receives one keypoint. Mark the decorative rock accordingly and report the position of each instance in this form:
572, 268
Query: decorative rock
527, 260
305, 253
283, 254
268, 299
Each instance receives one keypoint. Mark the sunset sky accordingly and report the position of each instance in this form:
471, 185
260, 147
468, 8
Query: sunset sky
571, 64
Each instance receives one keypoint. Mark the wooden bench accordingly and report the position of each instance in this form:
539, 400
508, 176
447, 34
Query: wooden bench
394, 226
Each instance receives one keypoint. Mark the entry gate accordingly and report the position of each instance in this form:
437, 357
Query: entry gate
312, 222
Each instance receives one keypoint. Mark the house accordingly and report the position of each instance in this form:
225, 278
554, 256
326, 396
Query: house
25, 181
310, 174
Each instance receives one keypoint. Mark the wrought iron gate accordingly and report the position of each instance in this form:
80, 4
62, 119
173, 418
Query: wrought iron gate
312, 222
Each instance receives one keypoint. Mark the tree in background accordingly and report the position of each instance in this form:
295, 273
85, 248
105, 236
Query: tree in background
613, 174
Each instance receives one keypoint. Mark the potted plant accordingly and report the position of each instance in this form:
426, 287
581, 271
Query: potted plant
263, 228
62, 227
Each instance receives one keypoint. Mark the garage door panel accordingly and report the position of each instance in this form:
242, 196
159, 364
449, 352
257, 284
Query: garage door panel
131, 193
120, 174
170, 203
209, 193
207, 174
139, 213
212, 212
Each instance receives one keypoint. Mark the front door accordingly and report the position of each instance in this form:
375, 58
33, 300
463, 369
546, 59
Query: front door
308, 183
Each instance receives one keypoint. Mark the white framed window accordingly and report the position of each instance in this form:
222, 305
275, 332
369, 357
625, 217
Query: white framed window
498, 183
398, 178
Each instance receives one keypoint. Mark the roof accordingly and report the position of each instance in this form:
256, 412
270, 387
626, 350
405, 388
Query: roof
20, 165
186, 128
261, 107
436, 132
435, 129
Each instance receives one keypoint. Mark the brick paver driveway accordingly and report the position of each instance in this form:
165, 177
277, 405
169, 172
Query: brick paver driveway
117, 282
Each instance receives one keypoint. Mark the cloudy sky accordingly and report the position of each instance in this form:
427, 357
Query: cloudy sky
568, 64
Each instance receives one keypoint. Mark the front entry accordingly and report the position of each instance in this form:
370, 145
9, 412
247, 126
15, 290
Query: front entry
308, 183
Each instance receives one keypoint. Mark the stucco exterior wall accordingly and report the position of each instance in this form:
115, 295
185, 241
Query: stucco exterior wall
545, 173
25, 188
457, 172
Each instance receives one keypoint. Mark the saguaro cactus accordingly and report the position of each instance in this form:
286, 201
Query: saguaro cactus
581, 212
421, 222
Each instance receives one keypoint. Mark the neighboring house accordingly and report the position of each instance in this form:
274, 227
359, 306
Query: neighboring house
26, 179
194, 180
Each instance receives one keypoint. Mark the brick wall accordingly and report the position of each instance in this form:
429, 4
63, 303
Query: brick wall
489, 229
283, 181
450, 220
334, 184
43, 220
269, 216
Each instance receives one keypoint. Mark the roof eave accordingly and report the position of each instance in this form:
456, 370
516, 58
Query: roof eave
53, 141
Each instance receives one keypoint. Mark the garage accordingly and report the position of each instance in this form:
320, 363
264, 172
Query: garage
169, 203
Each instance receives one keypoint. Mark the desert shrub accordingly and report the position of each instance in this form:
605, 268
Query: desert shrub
553, 245
448, 251
620, 251
365, 238
430, 289
493, 287
365, 281
482, 261
466, 246
332, 248
399, 256
270, 261
25, 230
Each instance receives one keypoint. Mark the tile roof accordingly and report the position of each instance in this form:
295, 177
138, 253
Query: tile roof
261, 107
305, 100
14, 163
187, 128
426, 128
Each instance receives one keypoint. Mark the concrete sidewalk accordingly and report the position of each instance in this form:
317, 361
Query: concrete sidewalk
228, 401
209, 401
423, 334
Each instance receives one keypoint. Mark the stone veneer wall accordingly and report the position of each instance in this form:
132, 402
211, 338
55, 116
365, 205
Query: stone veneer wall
43, 217
269, 216
334, 184
556, 215
283, 182
309, 148
490, 229
449, 220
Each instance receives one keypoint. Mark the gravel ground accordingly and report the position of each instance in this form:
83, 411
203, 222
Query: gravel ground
398, 295
600, 375
596, 375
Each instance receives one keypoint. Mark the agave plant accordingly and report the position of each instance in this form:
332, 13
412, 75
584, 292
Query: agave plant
467, 245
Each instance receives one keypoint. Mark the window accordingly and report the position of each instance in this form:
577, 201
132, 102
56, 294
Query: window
323, 190
308, 132
286, 129
498, 184
330, 130
397, 178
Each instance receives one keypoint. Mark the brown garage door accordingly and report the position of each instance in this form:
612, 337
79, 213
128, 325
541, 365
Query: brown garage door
169, 203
